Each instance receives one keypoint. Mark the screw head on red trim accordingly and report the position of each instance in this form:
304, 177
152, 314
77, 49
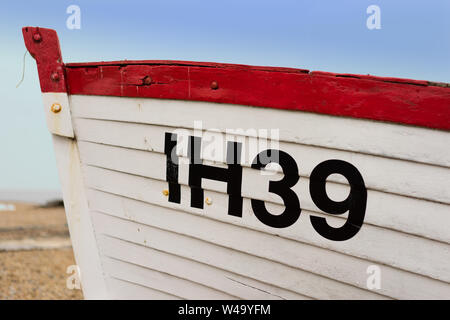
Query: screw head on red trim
214, 85
37, 37
147, 81
55, 76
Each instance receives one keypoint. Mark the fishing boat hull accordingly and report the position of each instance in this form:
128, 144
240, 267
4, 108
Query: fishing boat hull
170, 192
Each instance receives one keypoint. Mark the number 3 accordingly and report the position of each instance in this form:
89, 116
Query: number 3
282, 188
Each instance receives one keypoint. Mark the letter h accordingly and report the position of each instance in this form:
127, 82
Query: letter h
231, 175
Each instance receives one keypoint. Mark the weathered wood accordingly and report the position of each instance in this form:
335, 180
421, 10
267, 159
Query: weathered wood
219, 279
79, 221
161, 281
255, 244
405, 214
379, 174
362, 136
43, 45
385, 246
125, 290
229, 259
355, 96
58, 123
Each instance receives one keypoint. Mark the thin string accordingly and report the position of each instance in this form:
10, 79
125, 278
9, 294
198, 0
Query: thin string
23, 70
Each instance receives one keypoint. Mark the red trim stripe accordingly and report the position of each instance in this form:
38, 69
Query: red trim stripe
404, 101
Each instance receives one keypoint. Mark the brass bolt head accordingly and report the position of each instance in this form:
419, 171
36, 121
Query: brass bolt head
56, 107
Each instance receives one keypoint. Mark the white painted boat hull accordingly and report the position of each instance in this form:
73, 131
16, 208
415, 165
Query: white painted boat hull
131, 242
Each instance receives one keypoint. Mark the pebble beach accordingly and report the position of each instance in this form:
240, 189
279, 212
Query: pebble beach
35, 252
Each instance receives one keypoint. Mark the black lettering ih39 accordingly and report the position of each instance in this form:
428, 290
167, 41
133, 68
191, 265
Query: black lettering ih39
355, 203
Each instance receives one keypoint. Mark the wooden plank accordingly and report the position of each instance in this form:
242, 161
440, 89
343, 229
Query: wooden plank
385, 246
409, 215
383, 139
358, 97
58, 123
382, 174
161, 281
327, 263
43, 45
124, 290
263, 270
78, 218
231, 283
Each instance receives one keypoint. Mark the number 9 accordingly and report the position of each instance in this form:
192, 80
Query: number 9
355, 203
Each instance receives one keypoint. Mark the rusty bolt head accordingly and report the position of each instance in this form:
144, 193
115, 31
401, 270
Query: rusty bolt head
55, 76
56, 107
214, 85
37, 37
147, 81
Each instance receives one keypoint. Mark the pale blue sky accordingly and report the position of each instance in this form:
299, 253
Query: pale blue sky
317, 35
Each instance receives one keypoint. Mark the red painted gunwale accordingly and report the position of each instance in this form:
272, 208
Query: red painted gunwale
404, 101
43, 46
